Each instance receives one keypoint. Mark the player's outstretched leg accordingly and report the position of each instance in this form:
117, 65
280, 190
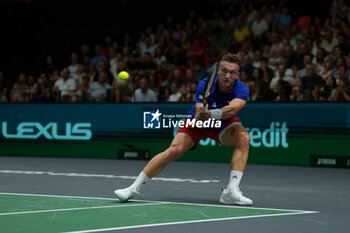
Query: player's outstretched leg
236, 136
180, 144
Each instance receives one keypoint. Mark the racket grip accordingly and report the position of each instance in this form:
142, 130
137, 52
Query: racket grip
204, 105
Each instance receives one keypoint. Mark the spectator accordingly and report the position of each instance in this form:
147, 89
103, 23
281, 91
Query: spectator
175, 94
267, 71
288, 55
339, 61
192, 92
49, 66
148, 68
177, 78
32, 87
108, 45
113, 62
217, 43
307, 59
42, 93
98, 91
254, 91
148, 47
329, 42
311, 46
85, 50
176, 56
257, 76
3, 88
195, 51
342, 92
144, 94
312, 83
65, 87
83, 89
281, 76
276, 49
160, 58
86, 62
343, 43
265, 93
251, 13
257, 59
283, 18
133, 64
259, 28
79, 74
283, 91
19, 92
341, 73
190, 76
336, 53
244, 77
92, 73
319, 59
299, 56
73, 67
297, 90
177, 32
241, 33
288, 72
326, 69
267, 13
199, 71
52, 80
150, 34
98, 57
246, 65
327, 93
104, 69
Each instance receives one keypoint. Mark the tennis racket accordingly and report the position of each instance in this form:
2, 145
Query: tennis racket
212, 71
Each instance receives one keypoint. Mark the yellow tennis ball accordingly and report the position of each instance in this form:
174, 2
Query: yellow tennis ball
123, 75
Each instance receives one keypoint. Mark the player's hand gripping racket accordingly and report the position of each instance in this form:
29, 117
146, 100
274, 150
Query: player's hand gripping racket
212, 71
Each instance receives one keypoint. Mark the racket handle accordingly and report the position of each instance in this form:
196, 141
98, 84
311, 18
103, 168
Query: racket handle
204, 105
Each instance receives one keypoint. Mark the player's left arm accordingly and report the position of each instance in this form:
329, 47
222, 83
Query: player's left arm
223, 113
231, 109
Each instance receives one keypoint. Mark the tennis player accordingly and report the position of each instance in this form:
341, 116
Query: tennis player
227, 97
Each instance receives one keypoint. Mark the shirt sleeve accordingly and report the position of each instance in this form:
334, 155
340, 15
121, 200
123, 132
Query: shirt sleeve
198, 98
242, 91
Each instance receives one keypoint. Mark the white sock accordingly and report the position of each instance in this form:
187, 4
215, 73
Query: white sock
140, 180
235, 178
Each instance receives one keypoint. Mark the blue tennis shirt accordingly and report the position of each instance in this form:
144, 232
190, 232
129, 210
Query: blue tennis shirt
216, 98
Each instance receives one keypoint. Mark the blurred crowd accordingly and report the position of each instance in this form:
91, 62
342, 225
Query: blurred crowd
283, 58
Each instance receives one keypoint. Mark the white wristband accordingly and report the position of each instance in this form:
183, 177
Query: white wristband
216, 113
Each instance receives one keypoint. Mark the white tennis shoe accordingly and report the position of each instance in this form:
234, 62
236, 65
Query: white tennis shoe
234, 197
125, 194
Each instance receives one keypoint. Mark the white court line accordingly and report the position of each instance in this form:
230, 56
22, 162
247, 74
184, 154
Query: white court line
163, 202
182, 222
78, 208
110, 176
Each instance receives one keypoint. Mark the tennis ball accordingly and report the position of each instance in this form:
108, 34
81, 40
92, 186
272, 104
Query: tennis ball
123, 75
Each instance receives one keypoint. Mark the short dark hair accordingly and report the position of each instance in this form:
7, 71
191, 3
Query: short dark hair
230, 57
308, 54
